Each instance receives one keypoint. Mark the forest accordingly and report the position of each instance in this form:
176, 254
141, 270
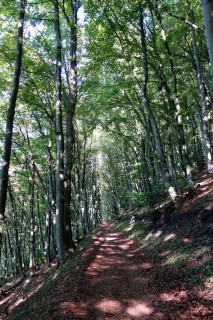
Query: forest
106, 115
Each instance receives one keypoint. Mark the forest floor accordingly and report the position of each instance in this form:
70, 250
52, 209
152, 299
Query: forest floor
151, 264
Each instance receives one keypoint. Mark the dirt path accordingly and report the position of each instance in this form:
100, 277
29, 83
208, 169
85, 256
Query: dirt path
115, 280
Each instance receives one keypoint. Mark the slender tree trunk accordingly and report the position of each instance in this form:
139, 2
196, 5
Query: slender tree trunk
12, 253
5, 260
203, 96
49, 210
207, 10
59, 144
32, 222
40, 223
51, 218
10, 119
18, 256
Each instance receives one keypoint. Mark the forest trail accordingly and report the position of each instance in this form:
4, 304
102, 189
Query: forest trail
113, 286
116, 280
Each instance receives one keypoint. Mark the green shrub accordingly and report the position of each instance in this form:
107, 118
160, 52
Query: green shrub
151, 198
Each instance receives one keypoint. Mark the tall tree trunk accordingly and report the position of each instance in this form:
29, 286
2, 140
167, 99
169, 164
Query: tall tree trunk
5, 260
204, 97
10, 119
207, 10
70, 136
18, 256
40, 223
32, 221
59, 144
49, 212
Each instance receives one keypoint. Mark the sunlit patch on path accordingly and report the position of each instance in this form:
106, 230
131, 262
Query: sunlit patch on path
139, 308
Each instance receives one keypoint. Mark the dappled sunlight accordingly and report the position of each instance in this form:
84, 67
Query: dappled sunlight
175, 258
152, 235
205, 187
139, 308
110, 306
186, 240
97, 243
172, 193
124, 246
55, 275
26, 283
177, 296
157, 234
23, 292
165, 253
108, 246
197, 311
8, 299
115, 280
118, 277
207, 293
202, 255
131, 226
110, 238
170, 236
146, 265
203, 250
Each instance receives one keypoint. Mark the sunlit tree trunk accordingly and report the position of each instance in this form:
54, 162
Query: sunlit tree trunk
32, 220
59, 144
49, 210
10, 119
207, 10
40, 222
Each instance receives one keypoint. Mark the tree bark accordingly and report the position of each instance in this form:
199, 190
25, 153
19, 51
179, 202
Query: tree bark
204, 98
70, 135
10, 119
59, 144
32, 220
207, 11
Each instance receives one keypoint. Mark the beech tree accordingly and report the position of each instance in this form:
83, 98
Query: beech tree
207, 10
59, 143
10, 119
71, 75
